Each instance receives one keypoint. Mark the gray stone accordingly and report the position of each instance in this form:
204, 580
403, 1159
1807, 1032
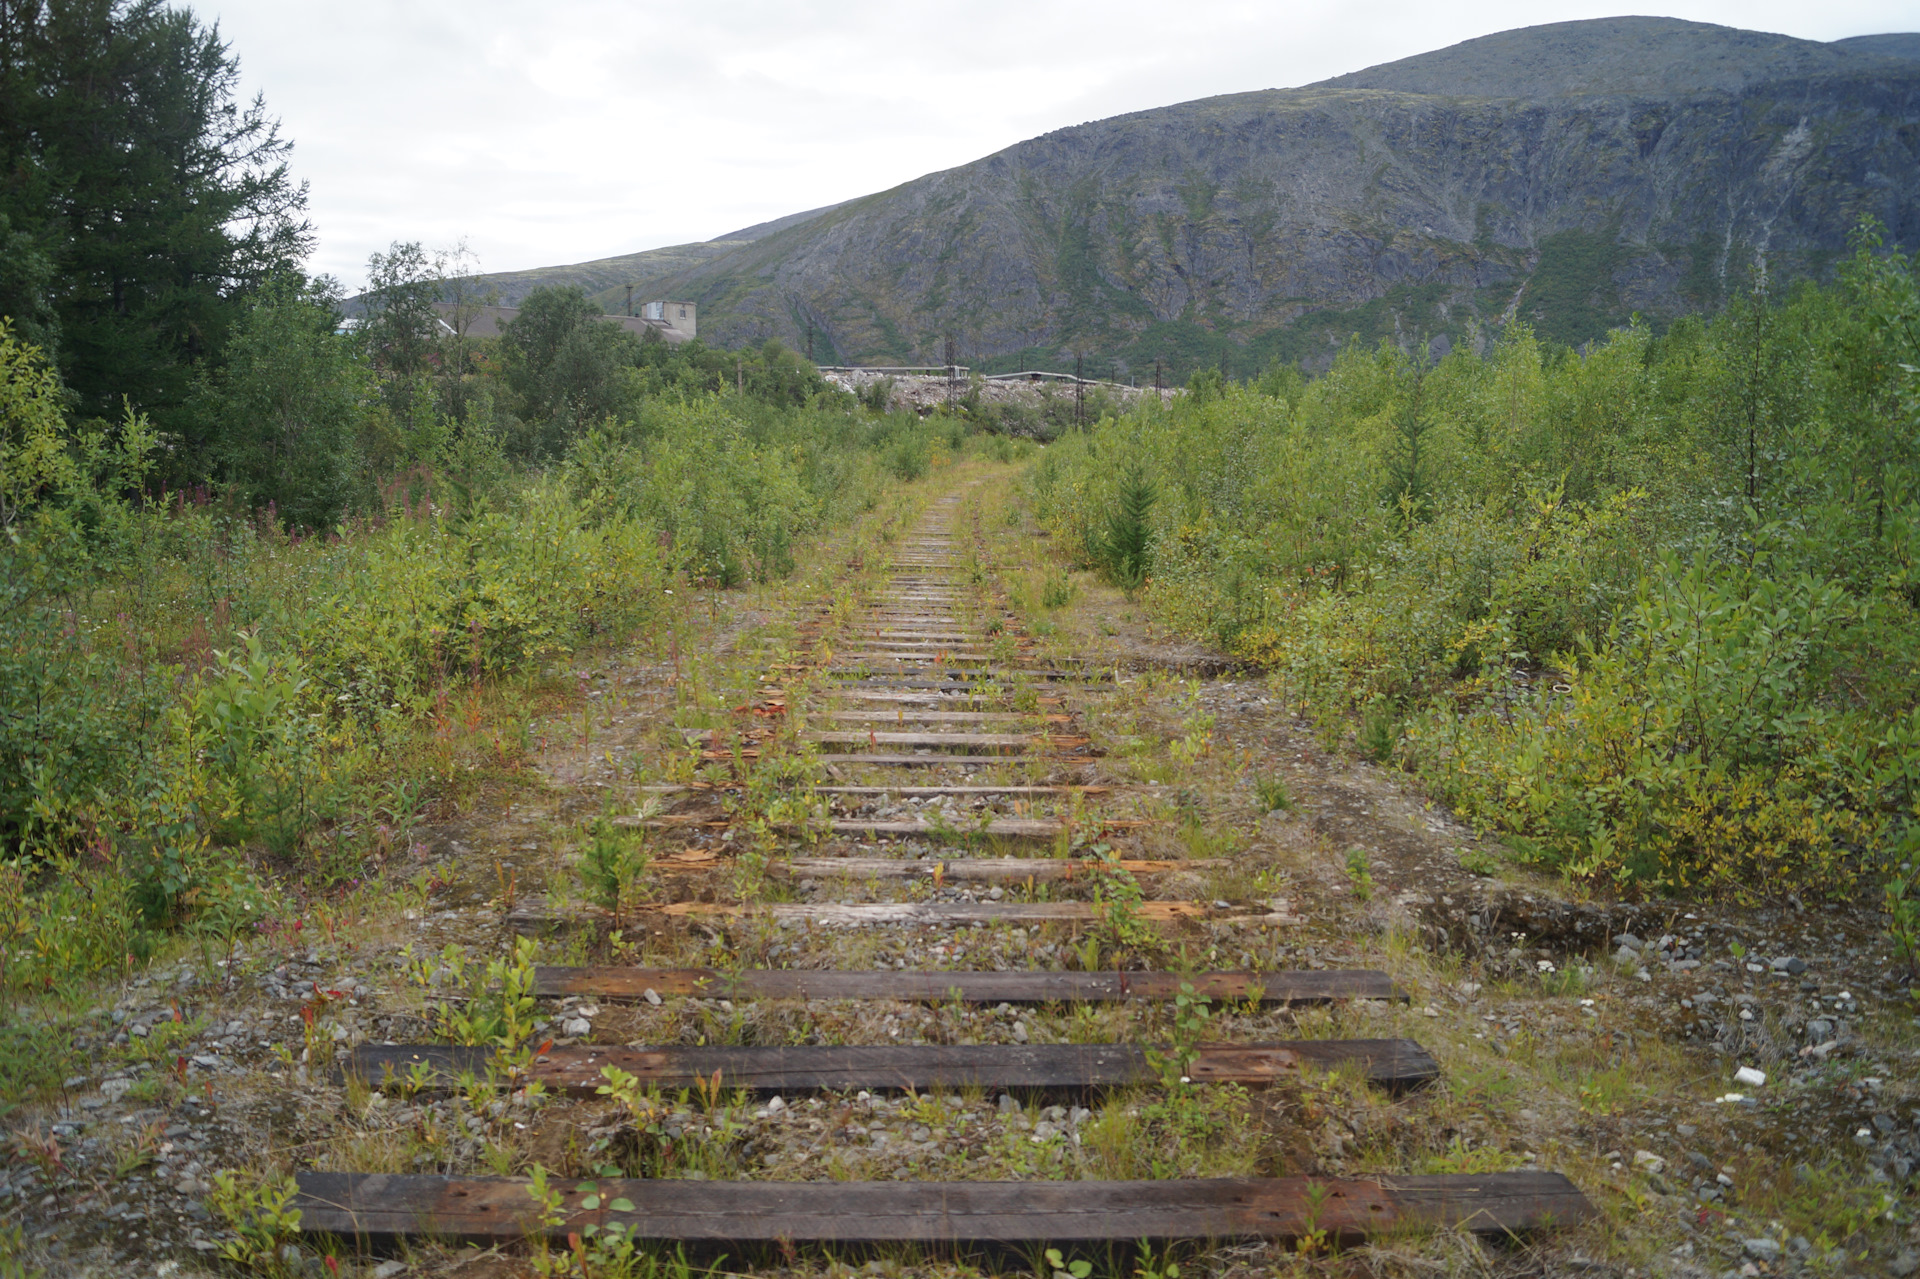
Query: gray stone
389, 1269
1761, 1249
1905, 1263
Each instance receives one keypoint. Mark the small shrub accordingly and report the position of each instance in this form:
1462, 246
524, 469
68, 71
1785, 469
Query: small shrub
1379, 732
613, 860
1272, 795
1360, 873
493, 1004
1901, 898
262, 1218
1476, 862
1057, 591
910, 456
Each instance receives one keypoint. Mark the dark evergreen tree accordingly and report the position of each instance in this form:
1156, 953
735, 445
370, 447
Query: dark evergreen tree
1409, 485
1129, 535
156, 197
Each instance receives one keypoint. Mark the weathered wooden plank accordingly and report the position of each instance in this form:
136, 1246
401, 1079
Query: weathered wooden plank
974, 870
853, 657
1010, 827
1011, 741
842, 683
937, 717
534, 916
969, 644
921, 791
916, 678
371, 1207
1001, 827
958, 697
951, 913
1395, 1064
660, 788
1304, 986
942, 758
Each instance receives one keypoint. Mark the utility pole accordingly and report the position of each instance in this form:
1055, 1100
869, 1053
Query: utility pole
739, 376
1079, 393
1156, 377
809, 339
629, 301
953, 370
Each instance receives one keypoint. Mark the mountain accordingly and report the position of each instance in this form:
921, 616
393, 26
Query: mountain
1610, 57
1569, 175
610, 276
1903, 45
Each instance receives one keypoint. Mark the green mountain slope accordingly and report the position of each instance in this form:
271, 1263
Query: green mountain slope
1570, 175
608, 277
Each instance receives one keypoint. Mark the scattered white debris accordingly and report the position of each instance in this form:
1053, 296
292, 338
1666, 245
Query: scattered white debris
1748, 1075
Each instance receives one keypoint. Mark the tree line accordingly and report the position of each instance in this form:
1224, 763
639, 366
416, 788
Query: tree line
152, 248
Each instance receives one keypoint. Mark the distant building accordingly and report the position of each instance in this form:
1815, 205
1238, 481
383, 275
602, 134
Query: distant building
673, 321
680, 317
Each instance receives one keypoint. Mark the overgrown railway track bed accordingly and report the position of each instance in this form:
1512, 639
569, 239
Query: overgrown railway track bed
950, 697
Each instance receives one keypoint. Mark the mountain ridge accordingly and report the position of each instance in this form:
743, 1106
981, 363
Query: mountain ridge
1277, 224
1611, 57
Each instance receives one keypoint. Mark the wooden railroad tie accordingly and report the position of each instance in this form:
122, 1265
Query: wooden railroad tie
1005, 827
533, 915
660, 788
380, 1207
971, 987
904, 716
1009, 827
948, 741
931, 759
1394, 1064
974, 870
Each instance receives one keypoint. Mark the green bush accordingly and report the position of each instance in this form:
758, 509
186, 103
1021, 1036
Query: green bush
1648, 610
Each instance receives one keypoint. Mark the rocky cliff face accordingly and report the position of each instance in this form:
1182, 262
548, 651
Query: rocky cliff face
1569, 175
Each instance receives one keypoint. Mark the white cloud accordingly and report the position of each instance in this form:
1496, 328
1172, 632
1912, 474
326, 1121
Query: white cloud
578, 129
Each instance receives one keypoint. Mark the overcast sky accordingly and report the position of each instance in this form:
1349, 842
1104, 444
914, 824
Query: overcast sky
566, 130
